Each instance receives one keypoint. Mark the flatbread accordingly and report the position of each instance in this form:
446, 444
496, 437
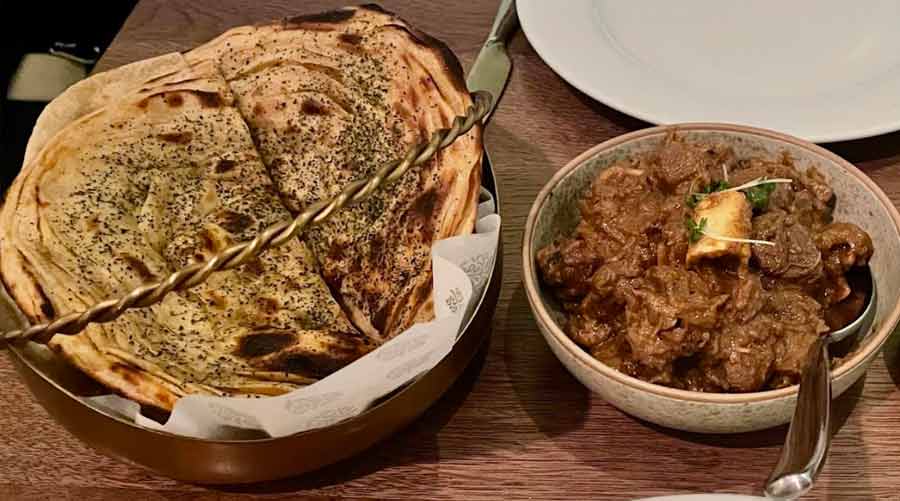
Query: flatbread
134, 173
329, 99
115, 199
96, 91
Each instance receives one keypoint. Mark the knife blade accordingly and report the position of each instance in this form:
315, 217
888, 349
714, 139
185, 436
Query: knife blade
492, 66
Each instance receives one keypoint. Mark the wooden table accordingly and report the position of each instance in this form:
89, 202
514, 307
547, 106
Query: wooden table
517, 425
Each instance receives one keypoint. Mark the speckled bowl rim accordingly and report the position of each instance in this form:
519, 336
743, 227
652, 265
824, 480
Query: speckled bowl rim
870, 345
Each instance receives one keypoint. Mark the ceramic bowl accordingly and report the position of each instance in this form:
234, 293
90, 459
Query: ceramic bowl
859, 200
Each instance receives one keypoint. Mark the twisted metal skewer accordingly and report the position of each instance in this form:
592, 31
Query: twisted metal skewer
273, 236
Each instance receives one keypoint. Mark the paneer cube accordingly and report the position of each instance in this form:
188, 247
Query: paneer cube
727, 215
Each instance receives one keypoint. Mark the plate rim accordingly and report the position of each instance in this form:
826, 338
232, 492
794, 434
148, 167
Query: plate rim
540, 45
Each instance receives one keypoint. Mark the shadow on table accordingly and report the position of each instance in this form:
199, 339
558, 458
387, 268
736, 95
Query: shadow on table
842, 407
627, 122
554, 400
877, 151
891, 355
630, 449
415, 444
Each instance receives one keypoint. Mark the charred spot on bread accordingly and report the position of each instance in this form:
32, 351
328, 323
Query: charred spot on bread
207, 240
173, 99
328, 17
126, 372
40, 200
312, 107
374, 7
253, 267
224, 165
425, 204
267, 305
420, 214
139, 267
258, 344
350, 38
233, 222
92, 223
336, 250
317, 365
380, 319
176, 137
423, 291
218, 300
377, 249
208, 99
333, 280
47, 309
413, 98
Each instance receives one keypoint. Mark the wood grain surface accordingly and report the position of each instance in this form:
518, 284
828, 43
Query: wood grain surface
516, 425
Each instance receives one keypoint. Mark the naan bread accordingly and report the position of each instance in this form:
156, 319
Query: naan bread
134, 173
116, 199
330, 98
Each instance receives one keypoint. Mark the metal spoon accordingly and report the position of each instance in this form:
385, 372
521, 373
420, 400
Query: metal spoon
809, 436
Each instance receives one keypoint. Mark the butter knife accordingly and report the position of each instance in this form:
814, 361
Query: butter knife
492, 66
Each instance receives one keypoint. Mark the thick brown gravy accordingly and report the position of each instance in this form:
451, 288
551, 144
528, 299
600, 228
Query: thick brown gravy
840, 314
741, 316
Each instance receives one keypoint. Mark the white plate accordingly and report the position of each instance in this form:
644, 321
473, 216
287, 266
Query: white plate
823, 70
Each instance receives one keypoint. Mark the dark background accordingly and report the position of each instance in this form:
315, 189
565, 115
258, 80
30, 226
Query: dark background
36, 27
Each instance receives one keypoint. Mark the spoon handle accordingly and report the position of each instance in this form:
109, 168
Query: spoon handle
809, 436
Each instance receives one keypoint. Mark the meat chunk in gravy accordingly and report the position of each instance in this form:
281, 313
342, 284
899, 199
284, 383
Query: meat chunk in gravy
716, 325
794, 256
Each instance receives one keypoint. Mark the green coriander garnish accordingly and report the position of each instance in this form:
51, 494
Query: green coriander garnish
693, 199
758, 195
695, 229
757, 191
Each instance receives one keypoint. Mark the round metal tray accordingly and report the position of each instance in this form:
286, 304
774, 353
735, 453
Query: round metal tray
57, 386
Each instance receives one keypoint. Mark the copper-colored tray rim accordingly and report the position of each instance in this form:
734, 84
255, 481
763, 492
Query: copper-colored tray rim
489, 293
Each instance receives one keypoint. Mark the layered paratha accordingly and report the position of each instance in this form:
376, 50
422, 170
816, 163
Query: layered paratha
329, 98
143, 186
139, 171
